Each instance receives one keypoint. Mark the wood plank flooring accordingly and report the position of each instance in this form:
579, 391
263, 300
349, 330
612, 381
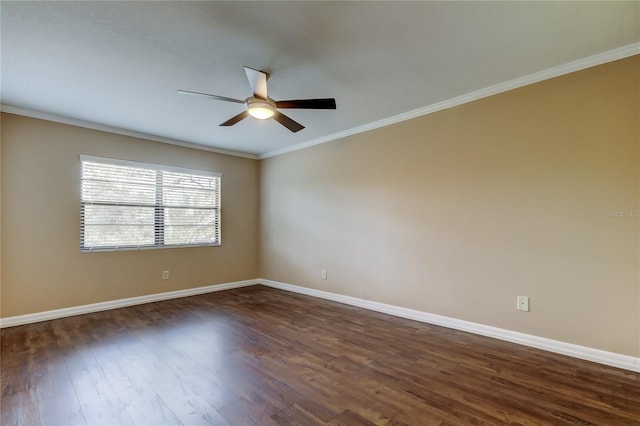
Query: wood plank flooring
262, 356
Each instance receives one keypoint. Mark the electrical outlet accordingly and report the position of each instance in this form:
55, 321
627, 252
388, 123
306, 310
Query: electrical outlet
165, 275
324, 274
522, 303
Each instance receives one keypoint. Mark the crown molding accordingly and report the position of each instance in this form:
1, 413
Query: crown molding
118, 130
580, 64
567, 68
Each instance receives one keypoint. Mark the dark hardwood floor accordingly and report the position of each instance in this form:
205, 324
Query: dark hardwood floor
262, 356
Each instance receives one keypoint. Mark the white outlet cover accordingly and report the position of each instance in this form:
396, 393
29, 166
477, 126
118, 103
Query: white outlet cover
522, 303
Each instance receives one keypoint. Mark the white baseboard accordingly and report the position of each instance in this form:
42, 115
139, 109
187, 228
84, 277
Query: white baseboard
596, 355
590, 354
120, 303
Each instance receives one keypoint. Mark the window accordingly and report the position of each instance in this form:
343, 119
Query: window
129, 205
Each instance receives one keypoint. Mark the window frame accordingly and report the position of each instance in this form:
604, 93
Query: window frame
159, 228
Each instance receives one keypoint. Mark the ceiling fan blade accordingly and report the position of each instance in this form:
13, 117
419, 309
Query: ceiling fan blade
287, 122
236, 118
257, 81
326, 103
206, 95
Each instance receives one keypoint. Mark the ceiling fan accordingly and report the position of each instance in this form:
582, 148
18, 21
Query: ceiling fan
261, 106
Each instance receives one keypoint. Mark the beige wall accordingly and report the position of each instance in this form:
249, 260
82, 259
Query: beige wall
458, 212
42, 267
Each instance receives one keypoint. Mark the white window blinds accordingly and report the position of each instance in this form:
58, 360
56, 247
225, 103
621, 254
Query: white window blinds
129, 205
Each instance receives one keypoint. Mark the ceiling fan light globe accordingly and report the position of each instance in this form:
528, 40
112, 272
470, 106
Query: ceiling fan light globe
260, 108
260, 112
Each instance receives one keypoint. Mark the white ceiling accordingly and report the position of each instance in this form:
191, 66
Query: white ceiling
120, 63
